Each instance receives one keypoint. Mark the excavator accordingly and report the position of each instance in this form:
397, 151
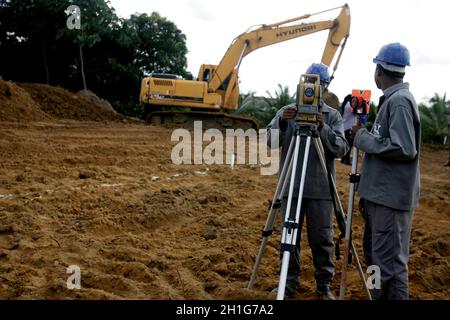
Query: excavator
171, 100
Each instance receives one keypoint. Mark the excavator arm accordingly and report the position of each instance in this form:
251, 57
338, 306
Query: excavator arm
267, 35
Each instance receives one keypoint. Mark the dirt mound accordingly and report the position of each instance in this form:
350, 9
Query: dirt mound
17, 105
63, 104
96, 101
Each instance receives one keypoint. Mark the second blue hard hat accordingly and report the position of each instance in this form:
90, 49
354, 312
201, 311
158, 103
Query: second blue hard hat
393, 57
321, 70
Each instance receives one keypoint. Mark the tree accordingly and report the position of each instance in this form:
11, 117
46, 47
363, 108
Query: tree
98, 21
109, 54
143, 44
282, 98
157, 44
252, 105
434, 118
264, 108
247, 103
27, 33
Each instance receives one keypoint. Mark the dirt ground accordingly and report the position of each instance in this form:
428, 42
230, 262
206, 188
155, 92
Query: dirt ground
27, 102
105, 196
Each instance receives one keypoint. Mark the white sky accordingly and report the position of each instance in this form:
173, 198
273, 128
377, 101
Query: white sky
210, 26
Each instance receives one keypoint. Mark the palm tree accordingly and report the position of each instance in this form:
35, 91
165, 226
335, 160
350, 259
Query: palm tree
435, 119
254, 106
274, 103
281, 99
247, 103
264, 108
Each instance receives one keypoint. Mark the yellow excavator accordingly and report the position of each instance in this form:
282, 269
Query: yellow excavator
171, 100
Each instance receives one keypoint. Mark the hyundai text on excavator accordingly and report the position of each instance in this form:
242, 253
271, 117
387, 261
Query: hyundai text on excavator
216, 92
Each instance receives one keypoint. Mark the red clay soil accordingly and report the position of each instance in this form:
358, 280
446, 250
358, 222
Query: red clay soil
17, 105
63, 104
106, 197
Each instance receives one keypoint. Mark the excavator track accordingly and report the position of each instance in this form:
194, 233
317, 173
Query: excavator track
216, 119
209, 120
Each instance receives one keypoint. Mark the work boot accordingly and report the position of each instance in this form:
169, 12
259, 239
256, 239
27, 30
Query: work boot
324, 293
289, 290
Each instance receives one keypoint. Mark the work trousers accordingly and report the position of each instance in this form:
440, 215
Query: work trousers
319, 223
386, 245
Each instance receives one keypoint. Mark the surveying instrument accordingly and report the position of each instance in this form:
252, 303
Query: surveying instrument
308, 108
359, 106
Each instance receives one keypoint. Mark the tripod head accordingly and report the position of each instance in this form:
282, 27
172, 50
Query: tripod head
308, 100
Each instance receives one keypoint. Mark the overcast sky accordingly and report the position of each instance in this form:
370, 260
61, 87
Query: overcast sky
210, 26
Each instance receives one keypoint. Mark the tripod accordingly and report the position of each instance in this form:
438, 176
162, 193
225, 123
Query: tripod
304, 133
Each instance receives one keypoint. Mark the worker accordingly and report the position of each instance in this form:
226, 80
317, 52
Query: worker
316, 203
349, 121
389, 183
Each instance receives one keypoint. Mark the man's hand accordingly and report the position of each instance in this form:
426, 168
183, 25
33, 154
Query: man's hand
289, 113
320, 121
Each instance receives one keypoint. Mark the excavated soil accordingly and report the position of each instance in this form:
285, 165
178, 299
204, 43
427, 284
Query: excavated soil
28, 102
17, 105
106, 197
62, 104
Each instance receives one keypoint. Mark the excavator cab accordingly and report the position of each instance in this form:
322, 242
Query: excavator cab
206, 71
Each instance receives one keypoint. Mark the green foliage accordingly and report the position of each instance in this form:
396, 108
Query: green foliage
247, 104
98, 20
275, 102
435, 115
37, 46
264, 108
435, 119
254, 106
158, 45
282, 98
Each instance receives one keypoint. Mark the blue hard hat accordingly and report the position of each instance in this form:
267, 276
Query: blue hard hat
393, 57
321, 70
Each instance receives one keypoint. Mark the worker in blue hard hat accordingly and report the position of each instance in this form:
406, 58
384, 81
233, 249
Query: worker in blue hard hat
321, 70
389, 185
316, 203
328, 97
